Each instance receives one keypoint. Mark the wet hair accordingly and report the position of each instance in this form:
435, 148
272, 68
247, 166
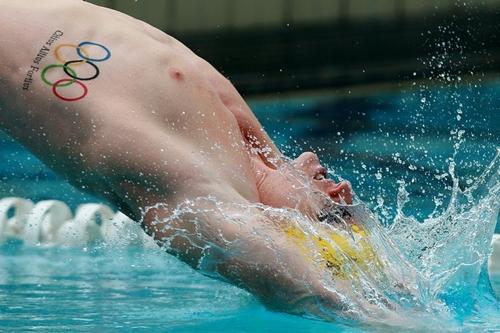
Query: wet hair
334, 215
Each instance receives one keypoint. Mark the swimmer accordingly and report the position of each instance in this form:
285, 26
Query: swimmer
128, 113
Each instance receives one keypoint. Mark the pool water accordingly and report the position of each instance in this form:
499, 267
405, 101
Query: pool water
374, 138
56, 290
64, 290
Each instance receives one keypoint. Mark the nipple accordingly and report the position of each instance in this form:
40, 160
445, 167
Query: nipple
175, 74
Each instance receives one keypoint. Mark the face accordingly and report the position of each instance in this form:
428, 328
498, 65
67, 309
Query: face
302, 185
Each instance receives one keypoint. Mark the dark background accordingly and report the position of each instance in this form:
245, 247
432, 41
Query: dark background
265, 46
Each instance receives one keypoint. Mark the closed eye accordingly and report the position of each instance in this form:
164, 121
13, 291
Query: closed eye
319, 176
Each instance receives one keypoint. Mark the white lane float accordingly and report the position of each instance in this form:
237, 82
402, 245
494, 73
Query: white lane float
85, 228
51, 223
44, 221
121, 231
13, 215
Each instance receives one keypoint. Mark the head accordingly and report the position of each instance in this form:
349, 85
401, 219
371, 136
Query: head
300, 184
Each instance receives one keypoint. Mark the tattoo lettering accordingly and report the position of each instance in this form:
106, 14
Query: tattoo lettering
44, 50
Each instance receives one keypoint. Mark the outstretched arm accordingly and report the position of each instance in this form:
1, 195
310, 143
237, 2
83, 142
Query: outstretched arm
239, 243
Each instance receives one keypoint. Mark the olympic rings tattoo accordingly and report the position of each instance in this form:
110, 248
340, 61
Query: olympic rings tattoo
66, 66
86, 57
57, 53
57, 84
44, 72
72, 74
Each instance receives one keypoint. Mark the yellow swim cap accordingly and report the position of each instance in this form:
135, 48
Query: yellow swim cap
343, 254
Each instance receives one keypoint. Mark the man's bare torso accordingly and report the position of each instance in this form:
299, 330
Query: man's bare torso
189, 106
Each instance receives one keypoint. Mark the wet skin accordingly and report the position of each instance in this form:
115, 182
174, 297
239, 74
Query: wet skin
161, 125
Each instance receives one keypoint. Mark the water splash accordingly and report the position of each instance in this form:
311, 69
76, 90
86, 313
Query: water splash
451, 249
408, 273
